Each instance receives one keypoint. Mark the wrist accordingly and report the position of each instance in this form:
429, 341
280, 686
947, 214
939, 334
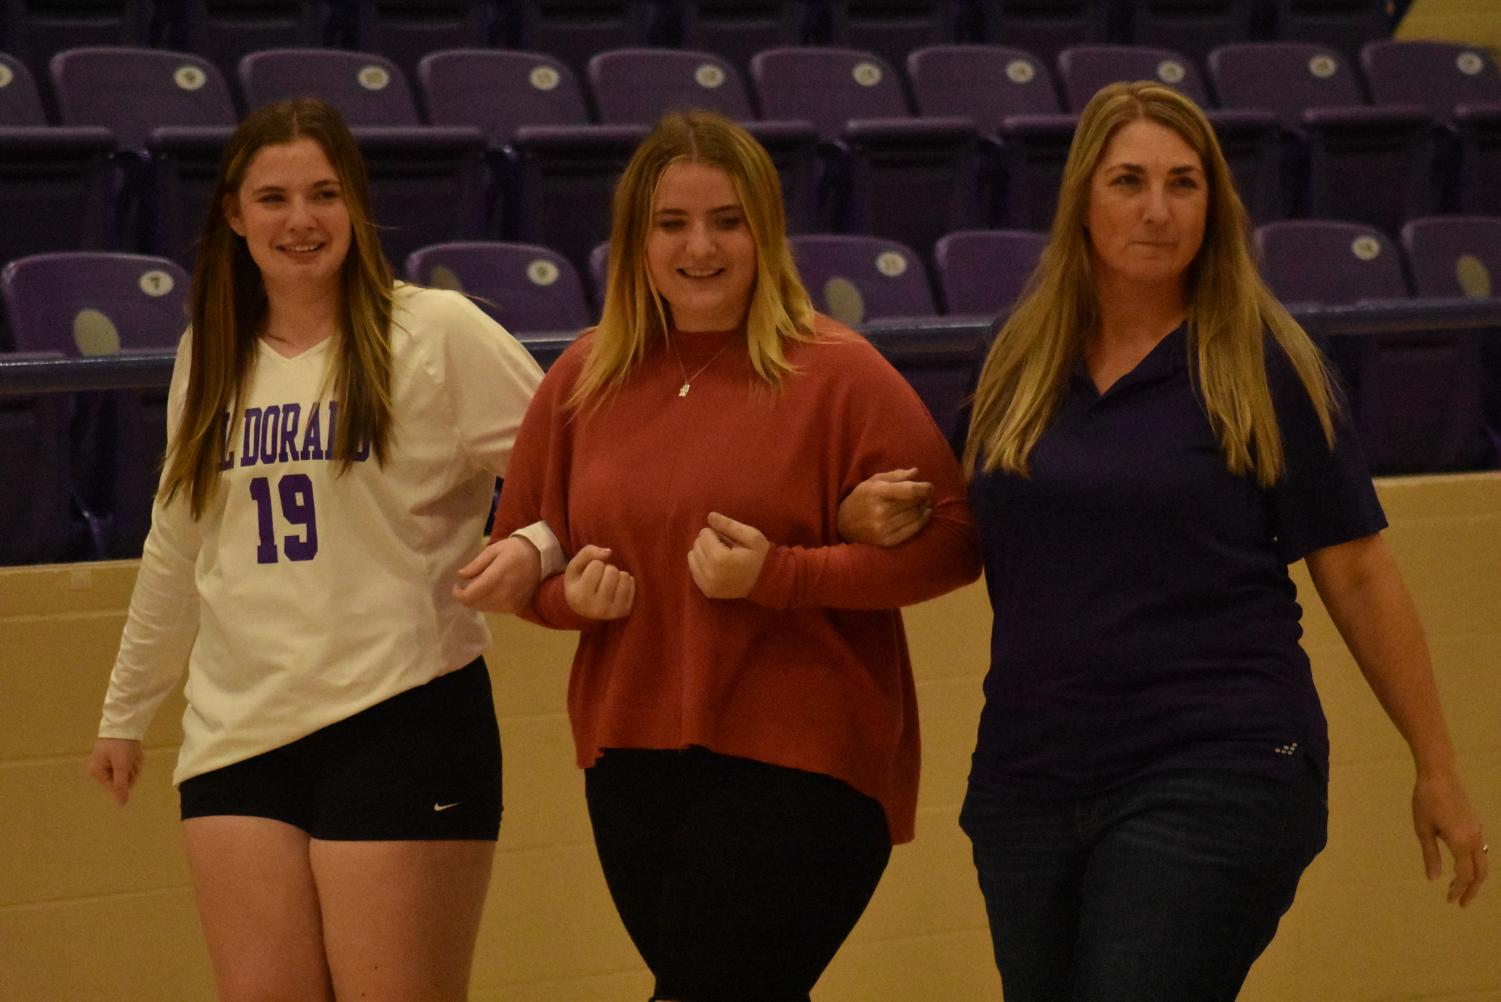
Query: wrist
1436, 762
529, 550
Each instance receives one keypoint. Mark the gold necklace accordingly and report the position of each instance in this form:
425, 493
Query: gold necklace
687, 379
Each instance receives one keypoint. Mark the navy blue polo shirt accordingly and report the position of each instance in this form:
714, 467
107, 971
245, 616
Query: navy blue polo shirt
1144, 617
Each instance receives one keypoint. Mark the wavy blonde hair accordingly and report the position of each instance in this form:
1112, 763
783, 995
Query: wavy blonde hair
1026, 372
635, 316
229, 307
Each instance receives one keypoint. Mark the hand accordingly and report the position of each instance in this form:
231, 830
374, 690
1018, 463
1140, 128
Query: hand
887, 509
595, 589
727, 557
1440, 810
502, 578
115, 764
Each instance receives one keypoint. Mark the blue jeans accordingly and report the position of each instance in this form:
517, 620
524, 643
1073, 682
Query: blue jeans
1166, 888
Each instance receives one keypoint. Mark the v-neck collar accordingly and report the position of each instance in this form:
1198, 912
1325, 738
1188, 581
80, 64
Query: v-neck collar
268, 350
1162, 362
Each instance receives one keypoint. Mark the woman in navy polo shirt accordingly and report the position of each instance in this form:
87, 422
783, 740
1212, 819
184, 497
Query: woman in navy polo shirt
1154, 440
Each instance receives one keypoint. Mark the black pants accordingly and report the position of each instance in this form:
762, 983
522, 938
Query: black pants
736, 880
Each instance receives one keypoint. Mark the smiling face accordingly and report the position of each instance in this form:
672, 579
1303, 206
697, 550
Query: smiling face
699, 249
290, 209
1148, 198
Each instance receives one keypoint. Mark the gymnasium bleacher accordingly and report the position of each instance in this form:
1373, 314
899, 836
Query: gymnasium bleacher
920, 145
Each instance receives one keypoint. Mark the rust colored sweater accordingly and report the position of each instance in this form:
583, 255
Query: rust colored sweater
811, 670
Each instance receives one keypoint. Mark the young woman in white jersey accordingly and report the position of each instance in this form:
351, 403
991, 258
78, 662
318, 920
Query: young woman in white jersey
333, 439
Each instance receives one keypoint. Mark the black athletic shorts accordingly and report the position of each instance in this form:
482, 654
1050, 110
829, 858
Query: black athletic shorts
424, 764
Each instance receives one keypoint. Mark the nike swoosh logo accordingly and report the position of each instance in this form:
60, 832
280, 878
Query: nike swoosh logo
444, 807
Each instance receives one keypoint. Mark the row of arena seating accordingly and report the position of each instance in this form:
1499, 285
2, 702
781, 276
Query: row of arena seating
511, 152
1284, 77
81, 439
405, 30
980, 273
99, 303
1423, 371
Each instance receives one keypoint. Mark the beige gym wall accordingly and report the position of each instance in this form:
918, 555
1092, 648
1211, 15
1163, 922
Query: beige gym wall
94, 903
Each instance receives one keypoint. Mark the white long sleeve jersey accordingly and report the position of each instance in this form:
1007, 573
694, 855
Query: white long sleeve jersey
304, 595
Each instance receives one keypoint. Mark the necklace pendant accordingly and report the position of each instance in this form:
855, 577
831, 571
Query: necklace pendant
683, 390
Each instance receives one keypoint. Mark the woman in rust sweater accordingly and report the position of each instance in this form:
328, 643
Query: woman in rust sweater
741, 699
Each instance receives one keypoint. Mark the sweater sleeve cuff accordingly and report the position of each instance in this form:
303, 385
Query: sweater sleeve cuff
776, 588
550, 607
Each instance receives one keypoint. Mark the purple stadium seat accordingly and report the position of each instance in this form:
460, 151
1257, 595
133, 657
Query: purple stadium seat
891, 174
94, 303
82, 304
500, 91
1454, 255
857, 278
1344, 25
827, 87
427, 182
574, 30
554, 183
404, 32
1333, 135
982, 272
366, 88
1461, 87
1044, 27
1285, 77
1329, 262
987, 83
40, 525
893, 28
1084, 69
1414, 383
133, 91
1438, 75
637, 86
1193, 27
226, 32
738, 29
174, 112
1010, 95
526, 288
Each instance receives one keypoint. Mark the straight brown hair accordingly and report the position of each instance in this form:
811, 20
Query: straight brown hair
229, 308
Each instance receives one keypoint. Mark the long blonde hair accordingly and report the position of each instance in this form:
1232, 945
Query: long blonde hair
229, 307
634, 315
1229, 306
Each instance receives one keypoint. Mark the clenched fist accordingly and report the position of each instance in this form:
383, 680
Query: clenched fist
727, 557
